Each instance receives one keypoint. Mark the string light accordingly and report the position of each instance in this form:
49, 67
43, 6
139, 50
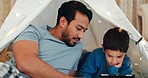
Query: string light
99, 21
10, 32
136, 64
108, 14
41, 2
18, 14
140, 58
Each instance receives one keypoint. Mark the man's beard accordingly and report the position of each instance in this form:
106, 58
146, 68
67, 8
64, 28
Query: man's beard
66, 39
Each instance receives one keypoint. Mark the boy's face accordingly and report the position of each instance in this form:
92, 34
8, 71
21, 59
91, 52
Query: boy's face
114, 57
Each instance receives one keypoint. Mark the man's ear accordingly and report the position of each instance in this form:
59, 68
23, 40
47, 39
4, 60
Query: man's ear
63, 22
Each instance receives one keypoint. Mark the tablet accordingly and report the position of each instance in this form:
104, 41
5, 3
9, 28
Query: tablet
117, 76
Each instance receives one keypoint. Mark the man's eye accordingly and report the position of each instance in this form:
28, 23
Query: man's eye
84, 30
78, 28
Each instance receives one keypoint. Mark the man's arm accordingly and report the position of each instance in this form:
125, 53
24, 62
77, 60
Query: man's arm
28, 62
72, 73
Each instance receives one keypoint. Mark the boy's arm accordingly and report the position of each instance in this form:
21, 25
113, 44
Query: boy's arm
126, 67
113, 70
89, 68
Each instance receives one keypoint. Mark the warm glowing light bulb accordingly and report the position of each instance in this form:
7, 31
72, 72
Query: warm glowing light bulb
140, 58
18, 14
99, 21
10, 32
108, 14
41, 2
136, 64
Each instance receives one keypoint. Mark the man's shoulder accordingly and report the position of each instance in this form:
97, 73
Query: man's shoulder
31, 33
38, 27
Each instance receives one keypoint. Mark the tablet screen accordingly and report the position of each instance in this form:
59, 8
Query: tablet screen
117, 76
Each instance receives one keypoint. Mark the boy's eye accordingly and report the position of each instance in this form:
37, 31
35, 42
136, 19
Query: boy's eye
119, 56
109, 56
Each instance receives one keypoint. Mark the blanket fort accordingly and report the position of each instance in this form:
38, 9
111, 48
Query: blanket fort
106, 14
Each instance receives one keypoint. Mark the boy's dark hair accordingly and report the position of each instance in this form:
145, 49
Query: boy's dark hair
69, 9
116, 39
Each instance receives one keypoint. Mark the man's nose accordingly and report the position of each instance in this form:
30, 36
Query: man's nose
81, 34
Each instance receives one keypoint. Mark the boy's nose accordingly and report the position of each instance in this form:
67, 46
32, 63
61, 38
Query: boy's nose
114, 61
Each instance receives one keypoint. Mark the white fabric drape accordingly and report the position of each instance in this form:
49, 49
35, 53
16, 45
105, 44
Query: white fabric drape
22, 14
143, 11
109, 10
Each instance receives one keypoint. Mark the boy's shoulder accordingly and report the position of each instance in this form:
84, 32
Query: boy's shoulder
126, 60
98, 51
126, 57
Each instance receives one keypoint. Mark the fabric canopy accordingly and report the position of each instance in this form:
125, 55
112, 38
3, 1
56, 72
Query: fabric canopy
42, 12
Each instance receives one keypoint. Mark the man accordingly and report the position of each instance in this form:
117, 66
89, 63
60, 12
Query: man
45, 52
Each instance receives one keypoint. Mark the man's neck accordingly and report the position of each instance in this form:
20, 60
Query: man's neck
56, 32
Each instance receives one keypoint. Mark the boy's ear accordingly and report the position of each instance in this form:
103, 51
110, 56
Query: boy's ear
103, 48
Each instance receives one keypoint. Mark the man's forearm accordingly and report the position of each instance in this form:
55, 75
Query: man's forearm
28, 62
72, 73
40, 69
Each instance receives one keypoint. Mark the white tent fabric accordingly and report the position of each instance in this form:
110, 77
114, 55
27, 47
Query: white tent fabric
42, 12
20, 17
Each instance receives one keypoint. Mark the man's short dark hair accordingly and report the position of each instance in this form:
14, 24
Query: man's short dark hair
116, 39
69, 9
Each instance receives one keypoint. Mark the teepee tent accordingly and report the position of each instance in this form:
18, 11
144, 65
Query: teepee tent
43, 12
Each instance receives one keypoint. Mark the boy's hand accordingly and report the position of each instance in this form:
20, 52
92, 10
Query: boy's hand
118, 65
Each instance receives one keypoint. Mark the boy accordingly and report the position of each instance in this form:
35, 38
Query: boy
111, 58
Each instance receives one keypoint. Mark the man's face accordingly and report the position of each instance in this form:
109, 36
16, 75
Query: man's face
114, 57
75, 30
